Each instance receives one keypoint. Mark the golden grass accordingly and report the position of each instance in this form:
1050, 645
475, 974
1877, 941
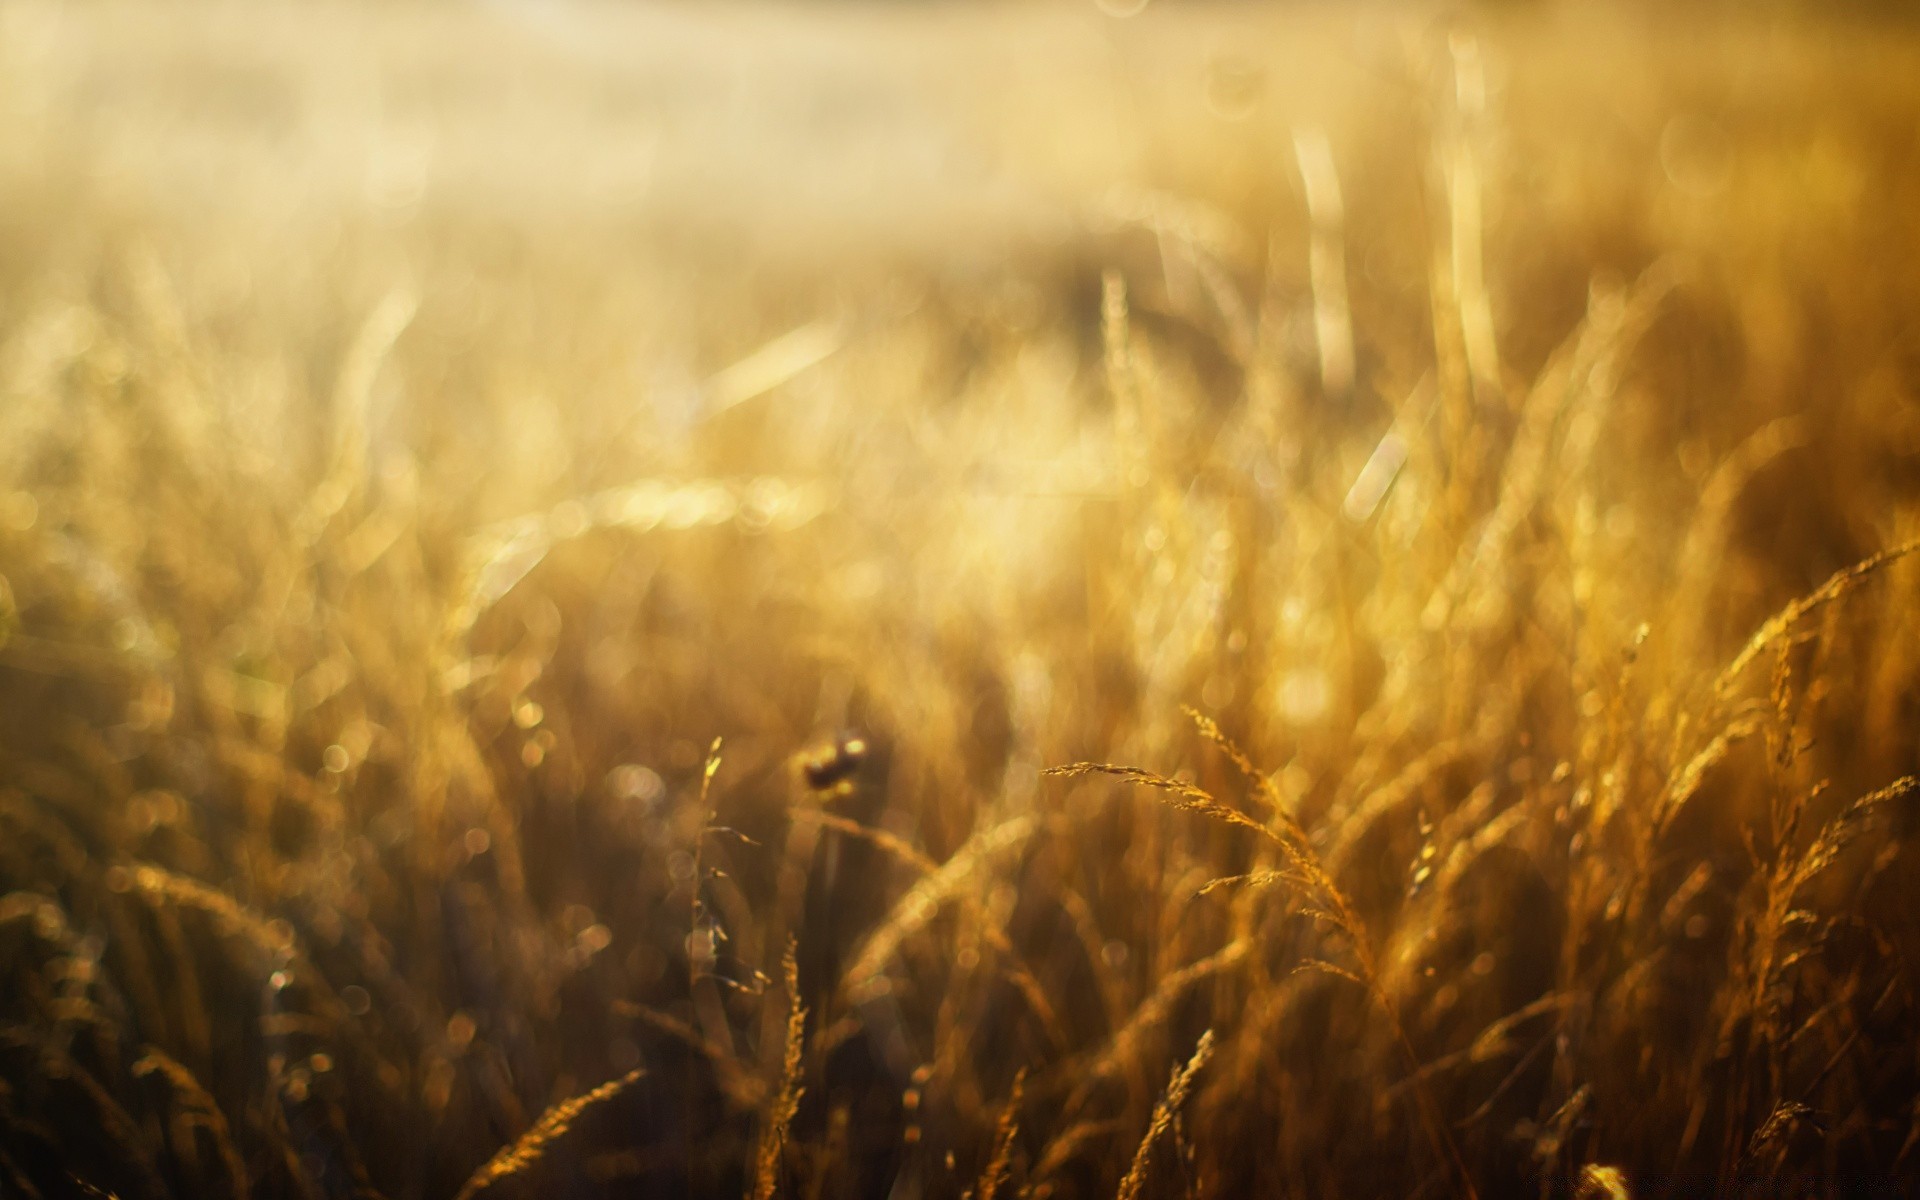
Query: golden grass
1301, 603
1163, 1117
196, 1110
1005, 1131
531, 1146
777, 1122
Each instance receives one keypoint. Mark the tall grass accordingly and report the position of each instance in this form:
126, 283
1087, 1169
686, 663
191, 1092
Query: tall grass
1312, 604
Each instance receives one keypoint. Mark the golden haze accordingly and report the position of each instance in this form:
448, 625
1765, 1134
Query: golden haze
926, 601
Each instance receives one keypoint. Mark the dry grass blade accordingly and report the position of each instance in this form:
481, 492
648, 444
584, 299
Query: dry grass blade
1020, 976
1322, 967
1163, 1114
1332, 321
200, 1110
1845, 828
879, 838
1153, 1011
1183, 796
1122, 1051
1256, 879
353, 395
106, 1114
1005, 1130
1682, 787
1306, 868
1210, 729
742, 1089
775, 363
532, 1145
1492, 1042
497, 557
1579, 373
1065, 1148
1776, 626
1122, 383
1704, 550
274, 938
1352, 820
1321, 889
778, 1120
926, 898
700, 949
90, 1189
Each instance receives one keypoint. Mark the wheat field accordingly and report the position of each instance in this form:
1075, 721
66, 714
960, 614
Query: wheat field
1023, 600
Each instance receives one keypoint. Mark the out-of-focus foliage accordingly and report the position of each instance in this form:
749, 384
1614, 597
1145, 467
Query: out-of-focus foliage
424, 430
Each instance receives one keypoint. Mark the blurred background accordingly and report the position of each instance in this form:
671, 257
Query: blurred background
514, 515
